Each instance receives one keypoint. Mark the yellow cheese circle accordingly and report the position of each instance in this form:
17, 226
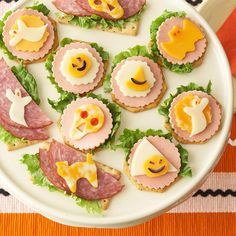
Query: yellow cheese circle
27, 46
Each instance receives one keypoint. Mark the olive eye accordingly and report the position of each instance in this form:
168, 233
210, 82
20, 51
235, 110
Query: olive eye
79, 59
160, 161
151, 162
74, 65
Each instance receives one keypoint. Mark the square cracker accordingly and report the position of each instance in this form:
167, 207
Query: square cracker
21, 144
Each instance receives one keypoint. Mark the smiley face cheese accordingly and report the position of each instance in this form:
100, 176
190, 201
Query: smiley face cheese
28, 34
151, 165
181, 41
78, 68
137, 84
86, 124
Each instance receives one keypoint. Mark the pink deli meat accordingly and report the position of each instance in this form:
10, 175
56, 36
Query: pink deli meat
34, 116
162, 36
142, 101
211, 128
108, 185
61, 80
131, 7
31, 56
92, 140
70, 7
169, 151
28, 134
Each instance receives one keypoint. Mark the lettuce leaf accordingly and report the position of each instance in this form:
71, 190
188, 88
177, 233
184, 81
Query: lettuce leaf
27, 81
40, 8
116, 117
38, 178
135, 51
2, 45
130, 137
186, 68
90, 22
165, 107
67, 97
8, 138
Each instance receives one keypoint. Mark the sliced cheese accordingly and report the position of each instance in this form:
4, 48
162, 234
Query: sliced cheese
144, 152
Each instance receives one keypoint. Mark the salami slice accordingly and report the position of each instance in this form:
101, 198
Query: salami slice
70, 7
108, 185
29, 134
34, 116
46, 168
131, 7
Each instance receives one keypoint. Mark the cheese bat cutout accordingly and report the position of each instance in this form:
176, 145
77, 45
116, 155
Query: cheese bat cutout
199, 122
111, 7
17, 109
71, 174
31, 34
183, 40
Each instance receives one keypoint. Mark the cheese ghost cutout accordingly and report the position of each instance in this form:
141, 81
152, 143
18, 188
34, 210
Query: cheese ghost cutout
183, 40
138, 82
17, 109
111, 7
71, 174
147, 160
31, 34
199, 122
88, 119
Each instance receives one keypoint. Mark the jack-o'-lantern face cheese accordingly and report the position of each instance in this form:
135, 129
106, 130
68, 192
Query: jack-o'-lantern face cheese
121, 16
178, 41
78, 67
29, 35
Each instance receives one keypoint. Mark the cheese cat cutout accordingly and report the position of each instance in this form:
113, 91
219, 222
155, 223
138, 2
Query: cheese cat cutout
138, 82
182, 40
88, 119
111, 7
71, 174
199, 122
17, 109
147, 160
23, 32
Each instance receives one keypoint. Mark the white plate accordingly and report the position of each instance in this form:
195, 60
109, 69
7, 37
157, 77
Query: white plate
130, 206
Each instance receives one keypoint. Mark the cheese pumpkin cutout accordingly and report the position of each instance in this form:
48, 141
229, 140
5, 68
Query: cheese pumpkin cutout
29, 35
193, 116
137, 82
179, 42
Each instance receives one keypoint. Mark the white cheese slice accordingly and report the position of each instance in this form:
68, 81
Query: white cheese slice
127, 71
89, 77
143, 152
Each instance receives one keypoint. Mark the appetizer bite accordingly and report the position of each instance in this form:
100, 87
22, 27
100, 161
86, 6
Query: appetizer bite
153, 162
89, 123
192, 115
119, 16
178, 41
78, 67
136, 82
28, 34
61, 168
22, 122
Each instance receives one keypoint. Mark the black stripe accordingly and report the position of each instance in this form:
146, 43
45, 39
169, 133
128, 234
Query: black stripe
218, 192
4, 193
